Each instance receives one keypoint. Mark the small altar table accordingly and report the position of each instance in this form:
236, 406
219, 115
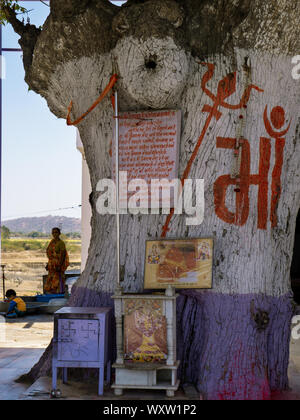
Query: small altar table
133, 374
82, 340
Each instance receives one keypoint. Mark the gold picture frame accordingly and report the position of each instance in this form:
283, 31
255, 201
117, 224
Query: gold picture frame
180, 263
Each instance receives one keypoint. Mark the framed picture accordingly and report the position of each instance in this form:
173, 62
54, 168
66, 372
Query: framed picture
181, 263
145, 331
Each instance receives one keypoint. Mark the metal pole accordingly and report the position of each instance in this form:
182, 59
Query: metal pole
12, 49
117, 186
3, 281
2, 64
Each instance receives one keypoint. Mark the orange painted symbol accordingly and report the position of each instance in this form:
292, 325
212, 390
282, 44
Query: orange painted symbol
245, 179
241, 214
277, 120
226, 88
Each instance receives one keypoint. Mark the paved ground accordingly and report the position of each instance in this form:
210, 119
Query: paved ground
23, 341
14, 362
33, 331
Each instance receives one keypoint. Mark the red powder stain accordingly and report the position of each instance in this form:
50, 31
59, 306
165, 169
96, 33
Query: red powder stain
240, 384
243, 384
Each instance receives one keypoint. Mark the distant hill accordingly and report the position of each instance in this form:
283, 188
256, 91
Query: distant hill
43, 224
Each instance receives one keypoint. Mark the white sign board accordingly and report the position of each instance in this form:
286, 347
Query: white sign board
148, 149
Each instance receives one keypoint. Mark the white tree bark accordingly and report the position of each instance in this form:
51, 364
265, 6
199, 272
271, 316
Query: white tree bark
248, 259
233, 339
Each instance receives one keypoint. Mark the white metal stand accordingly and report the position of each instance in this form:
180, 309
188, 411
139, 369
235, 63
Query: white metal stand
143, 375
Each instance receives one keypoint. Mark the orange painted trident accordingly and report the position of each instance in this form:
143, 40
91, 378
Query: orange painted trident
226, 88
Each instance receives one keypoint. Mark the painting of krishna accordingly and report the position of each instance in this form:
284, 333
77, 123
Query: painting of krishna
145, 331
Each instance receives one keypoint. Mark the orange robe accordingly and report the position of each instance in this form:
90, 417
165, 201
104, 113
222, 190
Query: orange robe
58, 261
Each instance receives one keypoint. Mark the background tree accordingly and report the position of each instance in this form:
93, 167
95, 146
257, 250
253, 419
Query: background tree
5, 232
227, 66
10, 3
34, 234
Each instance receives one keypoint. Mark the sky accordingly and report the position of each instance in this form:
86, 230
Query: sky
41, 167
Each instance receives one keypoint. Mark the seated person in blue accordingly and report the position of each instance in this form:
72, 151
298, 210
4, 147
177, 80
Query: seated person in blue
17, 306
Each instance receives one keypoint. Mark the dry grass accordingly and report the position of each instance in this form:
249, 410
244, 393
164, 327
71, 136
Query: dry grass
24, 269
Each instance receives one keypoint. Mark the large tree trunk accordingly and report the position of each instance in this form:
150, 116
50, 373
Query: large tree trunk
233, 341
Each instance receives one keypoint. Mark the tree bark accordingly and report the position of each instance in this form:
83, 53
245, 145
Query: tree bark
233, 341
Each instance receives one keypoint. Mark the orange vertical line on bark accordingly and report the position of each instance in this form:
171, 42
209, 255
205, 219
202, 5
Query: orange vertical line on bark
277, 120
276, 180
223, 182
262, 181
186, 172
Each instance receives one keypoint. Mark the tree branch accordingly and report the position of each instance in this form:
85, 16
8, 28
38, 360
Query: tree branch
44, 3
29, 34
11, 17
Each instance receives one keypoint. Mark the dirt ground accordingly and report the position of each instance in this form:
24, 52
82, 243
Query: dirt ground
24, 271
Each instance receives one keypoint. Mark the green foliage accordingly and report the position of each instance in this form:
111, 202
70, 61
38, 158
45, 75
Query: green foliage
73, 235
5, 232
10, 3
37, 244
41, 235
11, 245
35, 234
73, 248
63, 237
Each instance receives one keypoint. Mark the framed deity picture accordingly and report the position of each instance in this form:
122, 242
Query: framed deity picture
145, 331
181, 263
